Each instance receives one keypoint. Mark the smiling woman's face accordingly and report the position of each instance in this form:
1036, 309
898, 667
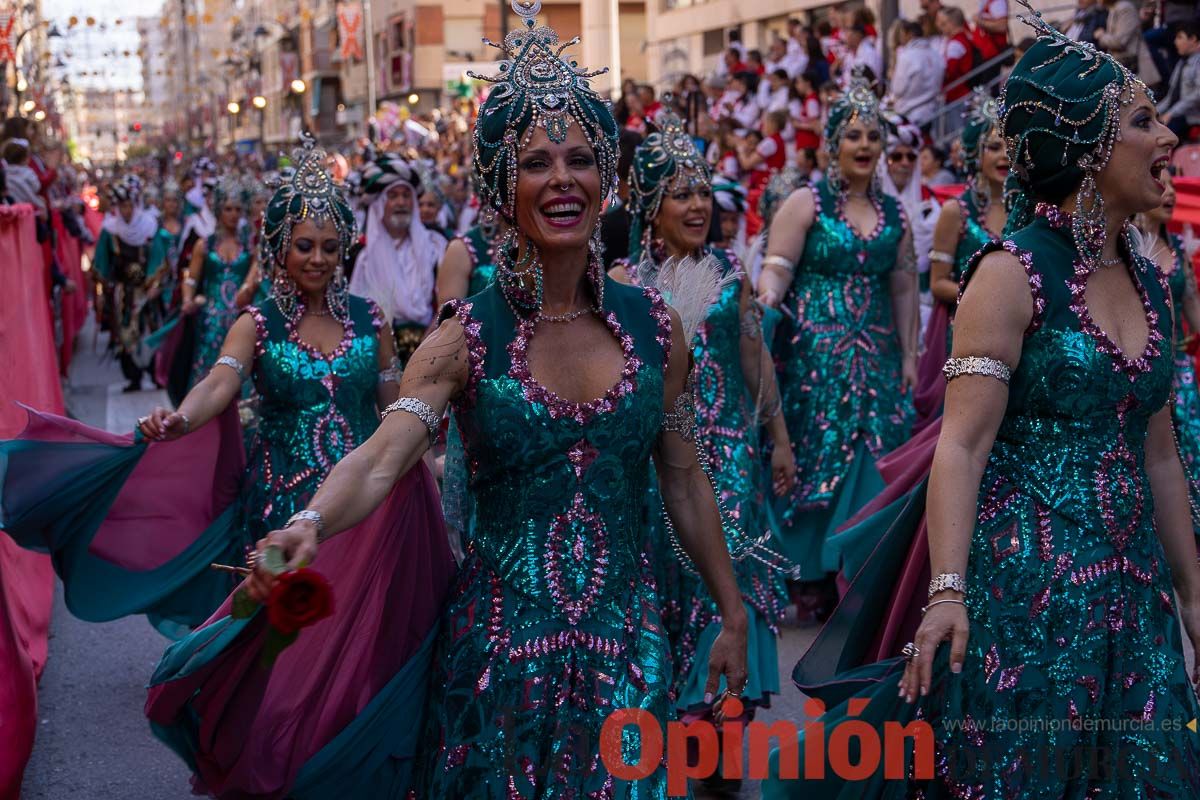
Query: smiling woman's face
684, 214
558, 190
1132, 179
313, 257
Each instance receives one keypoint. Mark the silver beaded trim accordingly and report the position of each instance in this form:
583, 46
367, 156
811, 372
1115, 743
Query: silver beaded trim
421, 410
947, 580
977, 365
232, 363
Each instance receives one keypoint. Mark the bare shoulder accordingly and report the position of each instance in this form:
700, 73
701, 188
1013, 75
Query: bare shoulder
996, 308
799, 205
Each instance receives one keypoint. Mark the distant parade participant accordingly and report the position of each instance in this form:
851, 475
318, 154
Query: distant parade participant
122, 260
397, 267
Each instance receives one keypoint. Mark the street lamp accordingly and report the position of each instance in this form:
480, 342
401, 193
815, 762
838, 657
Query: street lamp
233, 107
298, 86
28, 106
259, 102
413, 99
22, 84
39, 115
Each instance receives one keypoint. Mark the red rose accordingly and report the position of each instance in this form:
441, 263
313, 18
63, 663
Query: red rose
300, 598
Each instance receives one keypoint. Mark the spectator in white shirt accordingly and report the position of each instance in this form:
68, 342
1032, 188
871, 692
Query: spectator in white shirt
916, 84
860, 52
738, 103
735, 44
779, 90
797, 57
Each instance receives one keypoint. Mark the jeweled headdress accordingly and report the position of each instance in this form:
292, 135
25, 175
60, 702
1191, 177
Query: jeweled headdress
667, 156
537, 86
228, 189
303, 192
982, 118
1060, 115
857, 104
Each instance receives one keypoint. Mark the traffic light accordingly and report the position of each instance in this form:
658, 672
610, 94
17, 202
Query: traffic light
135, 127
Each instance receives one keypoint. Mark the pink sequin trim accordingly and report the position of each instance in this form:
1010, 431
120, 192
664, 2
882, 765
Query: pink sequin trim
558, 407
1031, 275
260, 329
377, 318
476, 349
339, 351
662, 318
1132, 367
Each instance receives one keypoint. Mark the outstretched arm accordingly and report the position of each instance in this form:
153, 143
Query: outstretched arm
691, 503
213, 393
361, 481
785, 245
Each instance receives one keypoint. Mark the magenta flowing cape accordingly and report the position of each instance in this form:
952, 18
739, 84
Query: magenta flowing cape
931, 384
249, 730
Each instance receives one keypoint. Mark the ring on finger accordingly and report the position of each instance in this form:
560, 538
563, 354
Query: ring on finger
142, 421
910, 651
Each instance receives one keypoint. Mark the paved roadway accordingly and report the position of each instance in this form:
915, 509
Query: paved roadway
93, 743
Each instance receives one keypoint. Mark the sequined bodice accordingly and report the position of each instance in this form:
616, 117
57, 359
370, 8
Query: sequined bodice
483, 265
223, 278
972, 235
833, 248
558, 486
1177, 280
1078, 410
314, 408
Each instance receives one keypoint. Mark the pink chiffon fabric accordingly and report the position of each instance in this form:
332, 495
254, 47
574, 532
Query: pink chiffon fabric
166, 502
257, 727
931, 384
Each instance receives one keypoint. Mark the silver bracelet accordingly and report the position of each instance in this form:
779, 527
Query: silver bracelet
187, 423
391, 374
940, 255
421, 410
232, 363
947, 580
977, 365
778, 261
311, 516
939, 602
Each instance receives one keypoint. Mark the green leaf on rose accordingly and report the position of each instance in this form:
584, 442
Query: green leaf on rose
243, 605
273, 561
275, 643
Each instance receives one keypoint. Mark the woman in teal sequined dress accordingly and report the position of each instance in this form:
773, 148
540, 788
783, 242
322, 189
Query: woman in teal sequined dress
166, 247
671, 204
840, 264
563, 383
1168, 252
1060, 542
215, 286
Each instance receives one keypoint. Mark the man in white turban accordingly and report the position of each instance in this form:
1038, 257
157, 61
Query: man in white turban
397, 267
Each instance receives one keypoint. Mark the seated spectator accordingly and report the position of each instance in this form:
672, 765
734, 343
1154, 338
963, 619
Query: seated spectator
778, 91
928, 19
22, 184
723, 151
796, 55
754, 63
738, 103
958, 54
650, 104
731, 64
1180, 106
805, 111
1122, 38
1089, 15
917, 79
860, 53
932, 162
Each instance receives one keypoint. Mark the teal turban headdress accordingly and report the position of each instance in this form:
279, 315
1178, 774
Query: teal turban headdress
982, 118
1060, 115
536, 87
666, 156
857, 104
228, 189
305, 192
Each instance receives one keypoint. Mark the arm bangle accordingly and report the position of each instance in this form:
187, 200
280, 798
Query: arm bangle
421, 410
939, 602
939, 255
311, 516
190, 282
778, 261
232, 363
977, 365
947, 580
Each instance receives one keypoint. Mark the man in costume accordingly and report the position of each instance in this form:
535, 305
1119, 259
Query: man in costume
398, 265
